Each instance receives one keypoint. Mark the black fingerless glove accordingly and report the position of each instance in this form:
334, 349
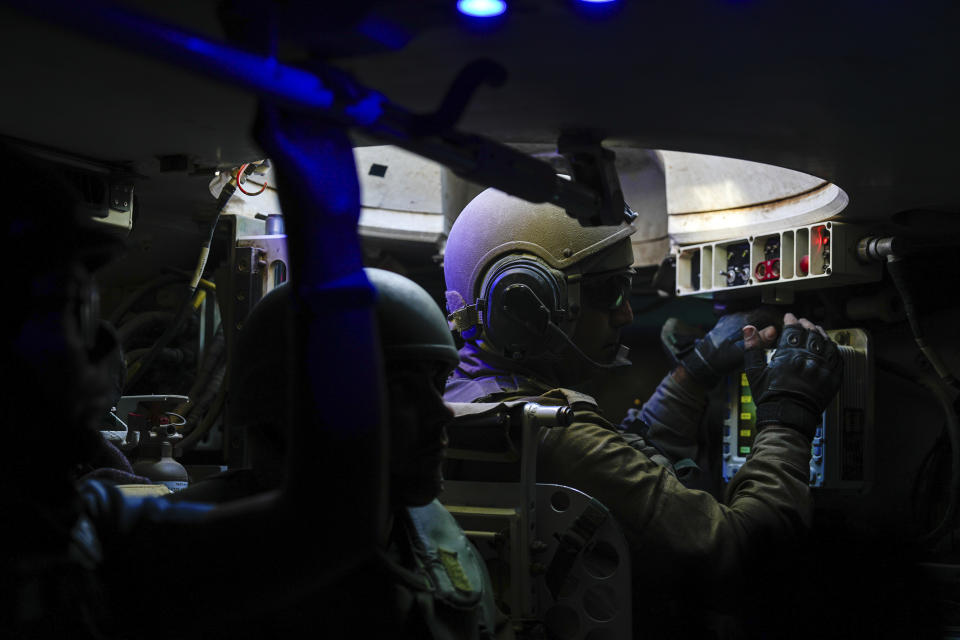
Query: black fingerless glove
718, 353
799, 382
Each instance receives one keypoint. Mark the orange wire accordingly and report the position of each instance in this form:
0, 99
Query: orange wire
240, 186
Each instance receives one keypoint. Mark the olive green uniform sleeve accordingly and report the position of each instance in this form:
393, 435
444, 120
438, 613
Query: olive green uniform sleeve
677, 531
673, 414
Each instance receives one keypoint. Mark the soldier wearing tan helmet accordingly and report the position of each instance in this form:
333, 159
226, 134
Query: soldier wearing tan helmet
540, 301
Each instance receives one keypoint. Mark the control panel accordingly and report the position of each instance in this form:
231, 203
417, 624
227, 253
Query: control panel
822, 254
841, 451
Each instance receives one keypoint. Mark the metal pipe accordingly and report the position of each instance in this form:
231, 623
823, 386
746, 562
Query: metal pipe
872, 248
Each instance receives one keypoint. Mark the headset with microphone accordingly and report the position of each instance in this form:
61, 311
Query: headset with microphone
524, 307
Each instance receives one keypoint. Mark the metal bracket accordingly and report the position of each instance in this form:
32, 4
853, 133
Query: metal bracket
593, 166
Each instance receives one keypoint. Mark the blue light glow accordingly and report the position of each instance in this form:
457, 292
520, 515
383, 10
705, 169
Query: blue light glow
368, 110
597, 1
385, 32
481, 8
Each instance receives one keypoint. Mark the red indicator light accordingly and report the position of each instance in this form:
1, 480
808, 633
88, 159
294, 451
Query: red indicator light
820, 237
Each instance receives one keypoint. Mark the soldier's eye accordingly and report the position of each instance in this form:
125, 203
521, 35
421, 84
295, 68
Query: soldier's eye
608, 293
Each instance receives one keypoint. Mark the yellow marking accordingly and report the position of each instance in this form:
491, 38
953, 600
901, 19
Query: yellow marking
495, 512
746, 415
480, 535
743, 380
144, 490
454, 569
745, 433
746, 399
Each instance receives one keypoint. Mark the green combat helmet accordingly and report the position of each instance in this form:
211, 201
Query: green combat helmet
411, 327
514, 271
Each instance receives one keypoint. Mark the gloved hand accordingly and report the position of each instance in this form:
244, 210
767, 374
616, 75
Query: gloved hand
721, 351
801, 379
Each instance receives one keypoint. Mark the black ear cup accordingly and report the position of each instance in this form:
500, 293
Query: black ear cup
522, 297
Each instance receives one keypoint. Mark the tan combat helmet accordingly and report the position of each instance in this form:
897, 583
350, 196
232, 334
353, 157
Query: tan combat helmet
500, 244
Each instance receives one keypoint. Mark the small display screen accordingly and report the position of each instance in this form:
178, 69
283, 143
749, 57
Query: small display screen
746, 417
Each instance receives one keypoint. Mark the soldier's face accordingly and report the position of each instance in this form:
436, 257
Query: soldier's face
60, 354
605, 309
418, 419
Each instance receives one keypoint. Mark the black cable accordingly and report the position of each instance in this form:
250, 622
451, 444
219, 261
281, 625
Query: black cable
167, 356
129, 302
187, 275
939, 390
937, 385
923, 486
201, 429
137, 323
908, 376
172, 330
213, 386
211, 357
186, 308
897, 271
901, 372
